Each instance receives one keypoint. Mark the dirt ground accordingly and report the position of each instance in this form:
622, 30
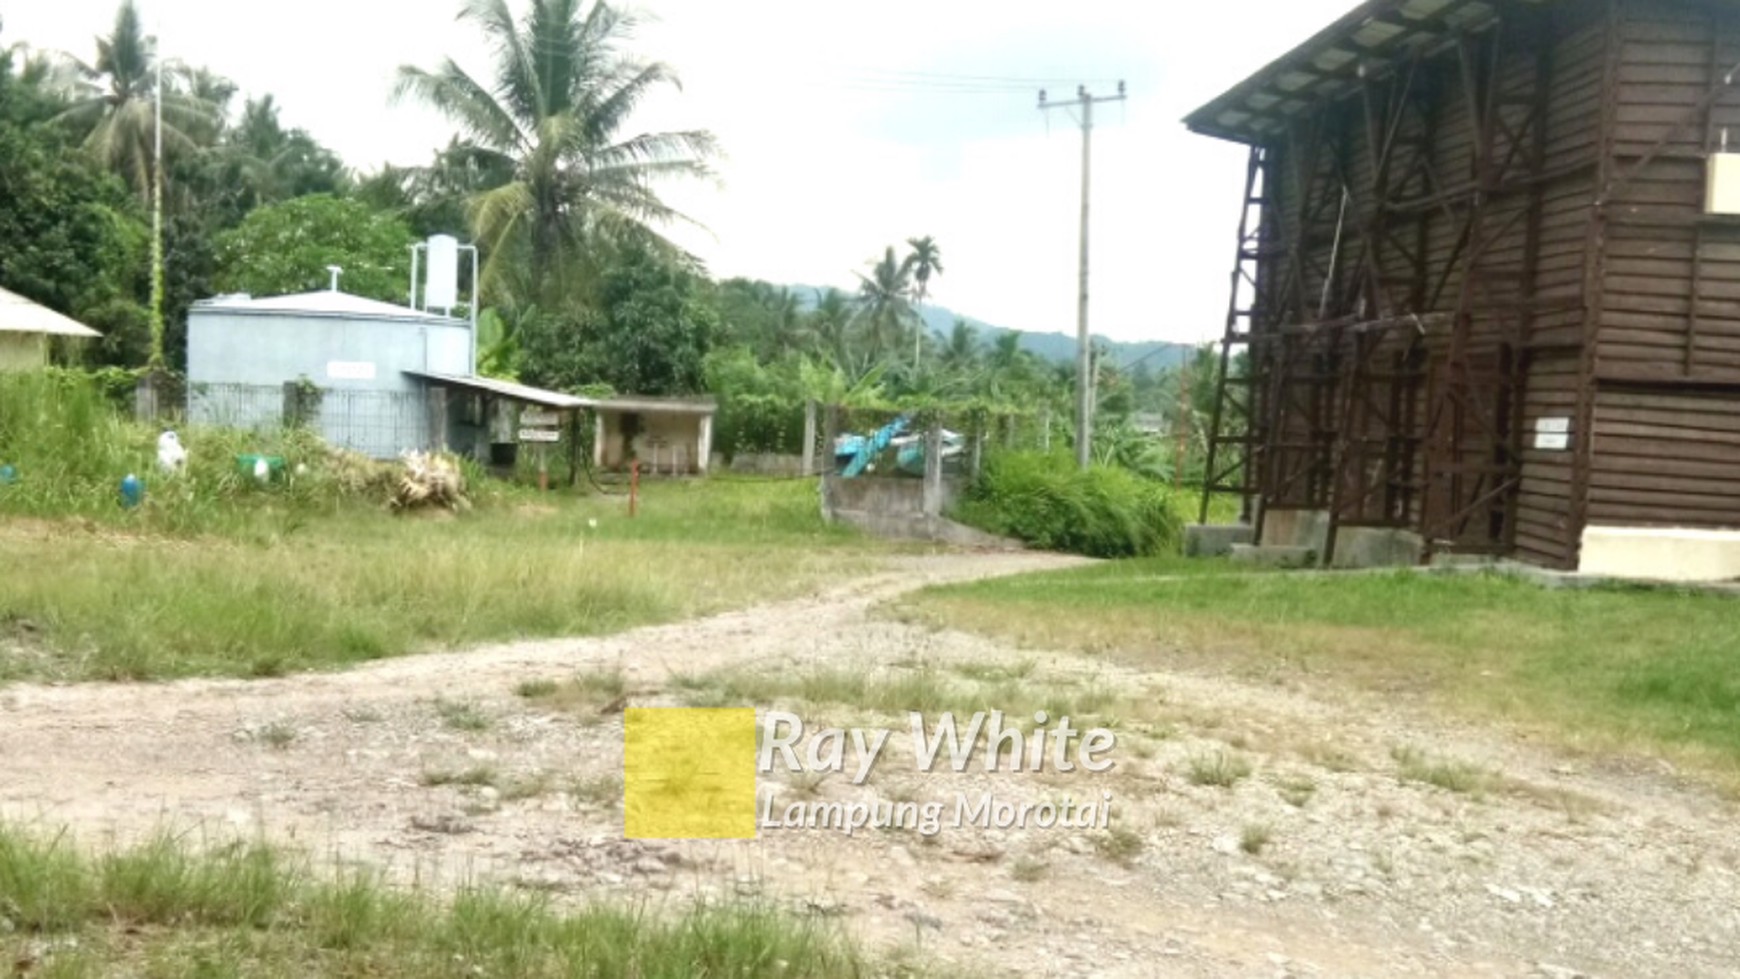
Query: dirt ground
1327, 859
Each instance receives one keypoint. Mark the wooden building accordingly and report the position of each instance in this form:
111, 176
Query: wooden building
1487, 284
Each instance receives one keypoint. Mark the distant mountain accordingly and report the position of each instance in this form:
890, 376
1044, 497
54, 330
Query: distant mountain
1058, 348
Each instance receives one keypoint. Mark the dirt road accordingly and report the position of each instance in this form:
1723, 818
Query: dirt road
1331, 856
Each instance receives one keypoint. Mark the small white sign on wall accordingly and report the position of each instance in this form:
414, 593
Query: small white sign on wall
350, 370
1553, 434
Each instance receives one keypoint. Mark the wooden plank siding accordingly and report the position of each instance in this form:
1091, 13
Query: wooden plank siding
1592, 266
1666, 449
1332, 148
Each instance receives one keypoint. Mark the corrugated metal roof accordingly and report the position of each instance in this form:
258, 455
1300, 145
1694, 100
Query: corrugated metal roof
325, 303
652, 406
20, 315
1371, 38
506, 389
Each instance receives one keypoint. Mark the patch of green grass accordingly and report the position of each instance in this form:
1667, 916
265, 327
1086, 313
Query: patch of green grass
280, 591
1414, 765
1120, 845
535, 689
1254, 837
462, 715
168, 910
584, 693
277, 734
1610, 667
1029, 870
1221, 769
1296, 790
475, 776
926, 688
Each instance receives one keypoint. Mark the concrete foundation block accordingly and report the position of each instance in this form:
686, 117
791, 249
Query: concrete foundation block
1215, 540
1274, 556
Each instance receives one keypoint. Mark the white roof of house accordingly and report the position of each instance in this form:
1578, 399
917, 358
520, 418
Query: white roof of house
327, 302
20, 315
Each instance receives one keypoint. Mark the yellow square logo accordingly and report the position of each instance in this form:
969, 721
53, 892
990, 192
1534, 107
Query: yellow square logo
688, 773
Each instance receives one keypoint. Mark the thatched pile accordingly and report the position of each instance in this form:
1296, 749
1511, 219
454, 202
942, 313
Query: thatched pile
429, 479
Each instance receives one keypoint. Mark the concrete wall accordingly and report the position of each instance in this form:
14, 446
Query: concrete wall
890, 506
763, 464
1661, 553
23, 351
1355, 547
225, 347
667, 443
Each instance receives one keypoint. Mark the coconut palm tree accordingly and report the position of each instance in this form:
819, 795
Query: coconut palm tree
925, 260
553, 114
884, 302
115, 107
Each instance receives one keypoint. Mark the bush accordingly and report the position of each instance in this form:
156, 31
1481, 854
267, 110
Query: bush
1047, 502
68, 447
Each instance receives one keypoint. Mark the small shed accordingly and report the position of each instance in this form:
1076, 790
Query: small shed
25, 327
370, 376
668, 436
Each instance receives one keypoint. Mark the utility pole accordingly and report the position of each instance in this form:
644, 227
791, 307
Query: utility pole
1084, 373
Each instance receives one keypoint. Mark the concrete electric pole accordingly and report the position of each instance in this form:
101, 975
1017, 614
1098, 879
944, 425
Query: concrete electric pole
1084, 396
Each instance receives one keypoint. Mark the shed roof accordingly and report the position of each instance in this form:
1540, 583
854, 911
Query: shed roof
1371, 37
328, 302
654, 406
505, 389
20, 315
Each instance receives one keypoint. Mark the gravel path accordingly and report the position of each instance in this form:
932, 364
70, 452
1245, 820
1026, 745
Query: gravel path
1335, 855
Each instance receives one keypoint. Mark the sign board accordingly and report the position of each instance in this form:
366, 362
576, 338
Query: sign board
540, 435
350, 370
1553, 434
538, 419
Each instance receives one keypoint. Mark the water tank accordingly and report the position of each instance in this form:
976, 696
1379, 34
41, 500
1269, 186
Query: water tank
441, 283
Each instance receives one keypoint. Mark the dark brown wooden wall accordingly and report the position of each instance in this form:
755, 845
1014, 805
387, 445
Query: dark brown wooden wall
1666, 420
1311, 166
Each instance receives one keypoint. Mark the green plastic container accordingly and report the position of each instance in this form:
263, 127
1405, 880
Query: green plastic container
249, 465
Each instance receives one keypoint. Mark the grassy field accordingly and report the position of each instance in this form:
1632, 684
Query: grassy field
284, 590
1608, 668
163, 910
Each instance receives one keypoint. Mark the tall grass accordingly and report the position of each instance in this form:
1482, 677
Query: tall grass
1046, 501
218, 574
249, 910
317, 591
69, 448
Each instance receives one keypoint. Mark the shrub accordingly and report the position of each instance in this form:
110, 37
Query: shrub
1044, 500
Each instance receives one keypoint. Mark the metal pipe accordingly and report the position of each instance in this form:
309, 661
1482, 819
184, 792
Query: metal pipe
475, 292
415, 254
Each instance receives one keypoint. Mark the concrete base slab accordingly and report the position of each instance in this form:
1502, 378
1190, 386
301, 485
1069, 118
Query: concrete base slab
1215, 540
1274, 556
1661, 553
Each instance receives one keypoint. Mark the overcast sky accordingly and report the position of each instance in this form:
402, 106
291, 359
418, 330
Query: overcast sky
847, 127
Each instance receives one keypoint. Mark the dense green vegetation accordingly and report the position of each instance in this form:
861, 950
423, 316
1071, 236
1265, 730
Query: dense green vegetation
1604, 667
1044, 500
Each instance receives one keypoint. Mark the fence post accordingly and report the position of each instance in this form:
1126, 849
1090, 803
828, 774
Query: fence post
833, 437
437, 403
292, 411
145, 397
809, 436
933, 471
